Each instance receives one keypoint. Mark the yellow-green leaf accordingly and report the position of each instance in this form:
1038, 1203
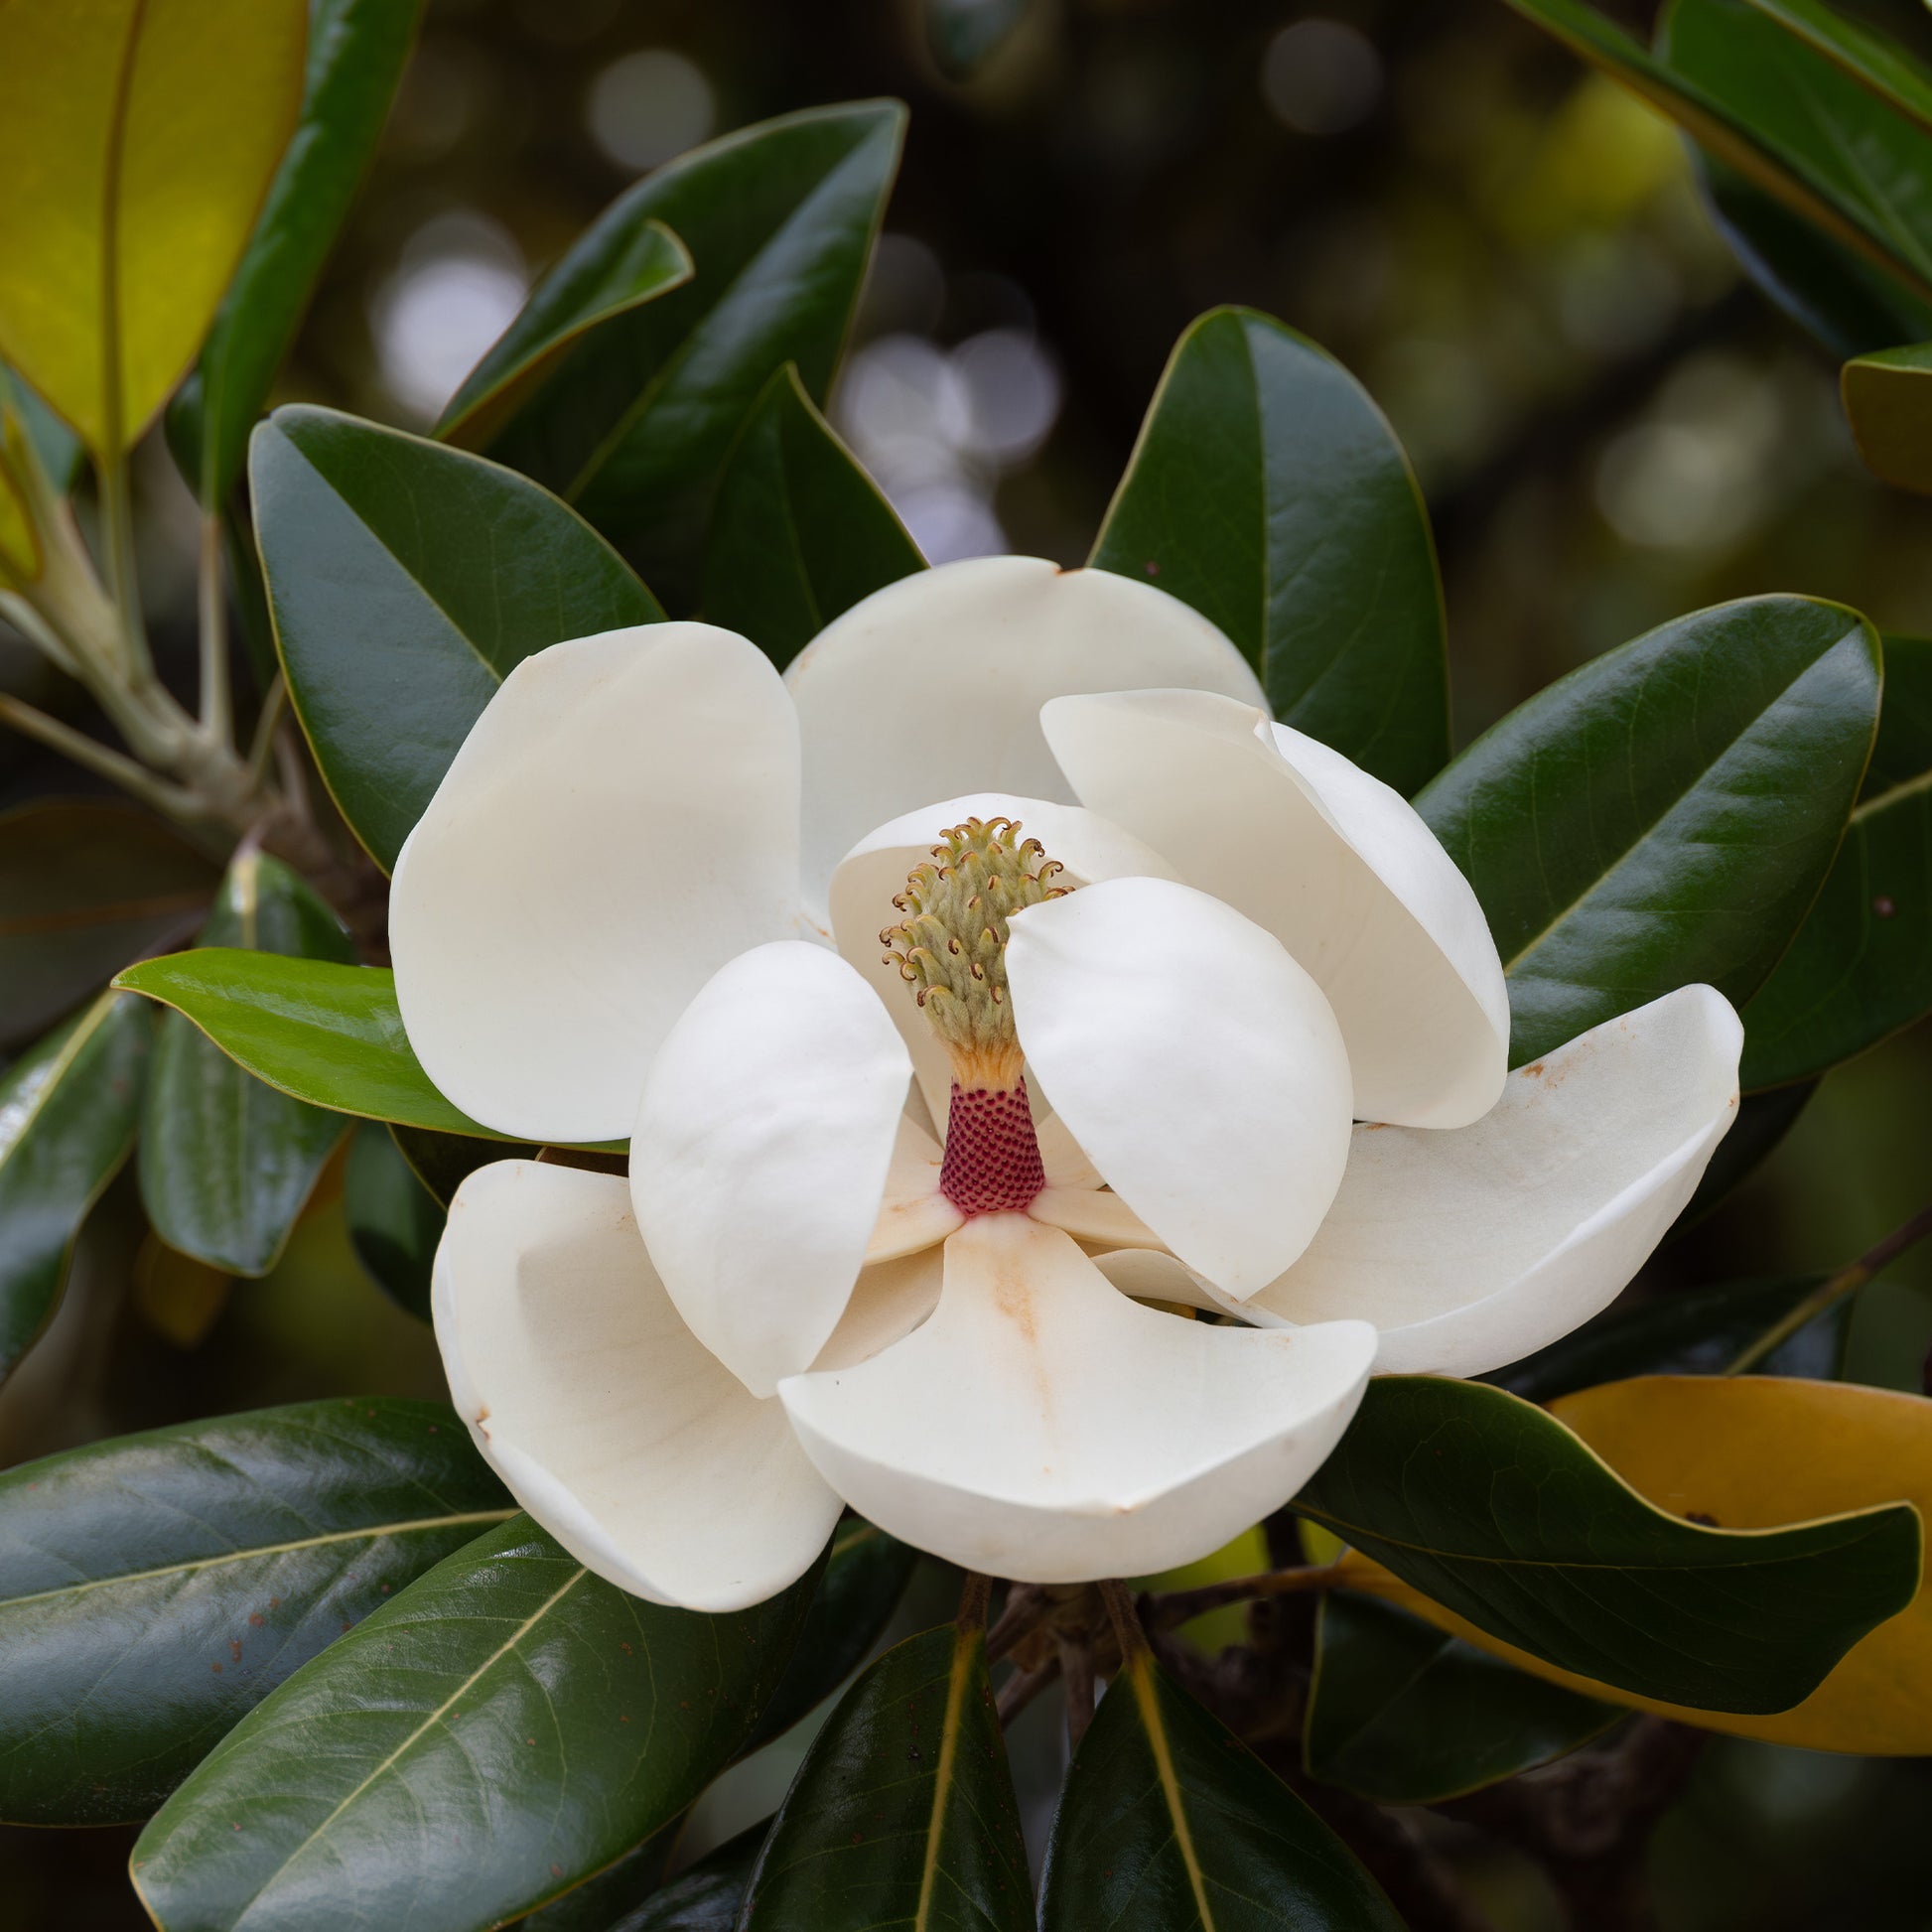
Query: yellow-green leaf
137, 139
1889, 403
20, 551
1754, 1452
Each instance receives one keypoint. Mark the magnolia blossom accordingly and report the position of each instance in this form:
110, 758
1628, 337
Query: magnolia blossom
1051, 1087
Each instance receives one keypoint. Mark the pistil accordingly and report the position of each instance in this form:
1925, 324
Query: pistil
951, 950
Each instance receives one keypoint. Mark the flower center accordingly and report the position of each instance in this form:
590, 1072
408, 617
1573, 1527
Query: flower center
951, 948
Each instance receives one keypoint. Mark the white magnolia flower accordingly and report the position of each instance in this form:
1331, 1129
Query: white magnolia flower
761, 926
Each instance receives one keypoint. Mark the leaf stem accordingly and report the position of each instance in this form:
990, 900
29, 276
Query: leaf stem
100, 759
216, 700
123, 581
973, 1599
1128, 1634
1833, 1290
1175, 1607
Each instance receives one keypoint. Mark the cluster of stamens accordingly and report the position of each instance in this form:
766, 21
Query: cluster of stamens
951, 946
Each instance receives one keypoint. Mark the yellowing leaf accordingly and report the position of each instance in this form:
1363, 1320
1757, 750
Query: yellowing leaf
20, 554
137, 139
1759, 1453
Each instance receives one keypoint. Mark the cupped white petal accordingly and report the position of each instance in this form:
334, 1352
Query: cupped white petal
761, 1152
1198, 1064
915, 1214
890, 1299
933, 685
622, 820
1472, 1248
876, 869
1041, 1426
606, 1416
1149, 1275
1339, 867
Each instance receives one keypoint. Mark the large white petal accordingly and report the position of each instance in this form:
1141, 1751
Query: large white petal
877, 868
1042, 1426
1473, 1248
761, 1152
932, 686
1333, 862
622, 819
1197, 1064
605, 1416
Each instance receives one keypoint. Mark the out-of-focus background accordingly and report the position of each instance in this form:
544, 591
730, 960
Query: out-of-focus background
1611, 427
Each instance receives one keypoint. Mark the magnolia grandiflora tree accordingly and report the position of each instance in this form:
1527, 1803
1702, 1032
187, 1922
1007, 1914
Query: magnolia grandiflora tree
1047, 1082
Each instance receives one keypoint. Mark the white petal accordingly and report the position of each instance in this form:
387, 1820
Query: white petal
1092, 1214
761, 1154
1197, 1064
1063, 1158
611, 1424
1471, 1249
890, 1299
932, 686
1044, 1427
1339, 867
876, 869
622, 819
915, 1214
1149, 1275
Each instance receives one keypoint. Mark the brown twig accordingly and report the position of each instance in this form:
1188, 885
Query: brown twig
973, 1599
1846, 1281
1176, 1608
1020, 1689
1077, 1667
1026, 1609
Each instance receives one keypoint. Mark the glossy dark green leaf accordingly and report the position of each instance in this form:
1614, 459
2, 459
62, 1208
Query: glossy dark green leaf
358, 50
153, 1588
1865, 163
326, 1034
1903, 750
443, 1162
1493, 1508
394, 1221
1883, 68
1269, 491
1666, 813
1730, 106
69, 1107
638, 267
1408, 1714
903, 1812
1168, 1823
508, 1726
1700, 1331
1889, 403
964, 34
799, 532
864, 1578
634, 425
1844, 300
705, 1898
85, 886
407, 580
610, 1899
227, 1163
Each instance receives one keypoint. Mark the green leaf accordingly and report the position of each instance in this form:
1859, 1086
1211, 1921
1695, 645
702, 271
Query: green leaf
407, 580
140, 137
1879, 65
1493, 1508
1269, 491
800, 532
606, 1901
1864, 163
394, 1221
1903, 750
1724, 104
227, 1163
508, 1726
328, 1034
85, 886
1851, 304
705, 1898
1699, 1331
1666, 813
1408, 1714
1168, 1823
67, 1112
865, 1576
640, 266
635, 424
358, 50
1889, 403
155, 1587
903, 1811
